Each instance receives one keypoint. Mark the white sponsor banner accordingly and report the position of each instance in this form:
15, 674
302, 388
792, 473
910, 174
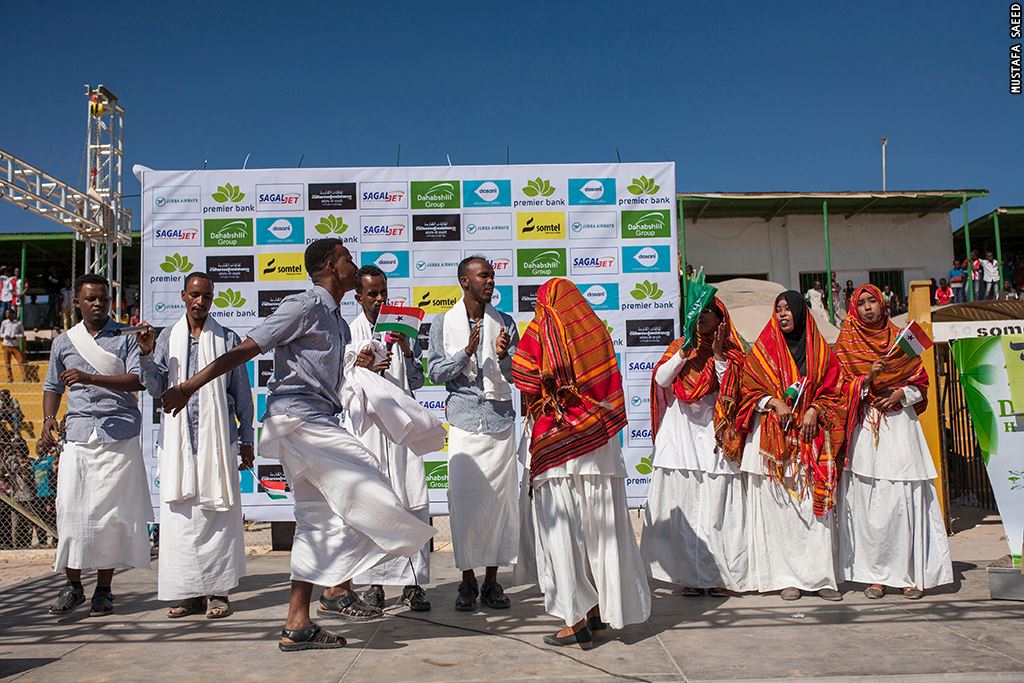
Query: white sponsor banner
965, 329
607, 227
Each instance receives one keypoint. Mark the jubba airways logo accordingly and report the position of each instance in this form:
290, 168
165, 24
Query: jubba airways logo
229, 298
176, 263
228, 193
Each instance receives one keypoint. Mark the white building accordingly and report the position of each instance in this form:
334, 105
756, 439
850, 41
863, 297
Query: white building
882, 237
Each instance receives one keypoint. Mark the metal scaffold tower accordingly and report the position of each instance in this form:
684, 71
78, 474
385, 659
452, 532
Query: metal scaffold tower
96, 215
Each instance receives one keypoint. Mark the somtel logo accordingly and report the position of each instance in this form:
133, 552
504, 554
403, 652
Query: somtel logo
236, 268
649, 332
383, 229
229, 197
271, 301
436, 298
435, 194
176, 233
383, 196
583, 191
444, 227
646, 259
282, 266
539, 191
332, 196
280, 230
284, 197
601, 297
540, 225
541, 262
227, 232
182, 199
229, 298
594, 261
476, 193
393, 263
646, 224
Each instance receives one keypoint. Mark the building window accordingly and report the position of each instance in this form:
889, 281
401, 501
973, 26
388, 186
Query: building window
894, 280
807, 281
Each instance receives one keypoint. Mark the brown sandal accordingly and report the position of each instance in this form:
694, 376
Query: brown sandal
218, 607
187, 607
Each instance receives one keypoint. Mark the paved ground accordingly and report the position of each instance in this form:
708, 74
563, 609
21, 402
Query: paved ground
955, 634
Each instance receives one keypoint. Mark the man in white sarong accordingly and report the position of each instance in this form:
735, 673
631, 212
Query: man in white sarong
202, 547
405, 472
347, 517
470, 352
103, 503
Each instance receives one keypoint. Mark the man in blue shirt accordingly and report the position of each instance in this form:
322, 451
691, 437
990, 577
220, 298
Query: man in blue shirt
347, 517
103, 502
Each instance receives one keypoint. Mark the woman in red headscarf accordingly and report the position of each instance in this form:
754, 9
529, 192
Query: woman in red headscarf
891, 527
694, 528
792, 410
588, 564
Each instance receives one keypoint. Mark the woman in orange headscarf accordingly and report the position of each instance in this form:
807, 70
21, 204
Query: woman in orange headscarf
891, 528
588, 563
791, 408
694, 527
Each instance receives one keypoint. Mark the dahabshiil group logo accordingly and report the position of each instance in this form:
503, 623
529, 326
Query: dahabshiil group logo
229, 298
331, 225
228, 193
176, 263
437, 473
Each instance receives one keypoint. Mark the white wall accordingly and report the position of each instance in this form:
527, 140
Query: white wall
922, 247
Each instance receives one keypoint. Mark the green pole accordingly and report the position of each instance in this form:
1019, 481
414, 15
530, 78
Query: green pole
21, 292
828, 263
969, 274
682, 252
999, 249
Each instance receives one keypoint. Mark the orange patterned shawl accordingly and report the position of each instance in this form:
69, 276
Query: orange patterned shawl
859, 345
769, 370
697, 378
565, 366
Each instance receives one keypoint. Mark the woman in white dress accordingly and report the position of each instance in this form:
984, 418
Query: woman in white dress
891, 528
694, 528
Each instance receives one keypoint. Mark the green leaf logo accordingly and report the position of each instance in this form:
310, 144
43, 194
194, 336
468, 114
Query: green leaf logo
645, 466
229, 298
643, 185
176, 263
331, 225
646, 290
228, 193
607, 326
538, 186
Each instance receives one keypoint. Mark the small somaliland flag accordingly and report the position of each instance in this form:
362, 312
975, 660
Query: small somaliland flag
399, 319
274, 489
793, 391
913, 341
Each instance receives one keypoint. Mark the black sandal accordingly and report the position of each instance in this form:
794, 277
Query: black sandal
416, 598
374, 597
595, 624
310, 638
349, 607
493, 595
465, 601
581, 638
68, 598
102, 604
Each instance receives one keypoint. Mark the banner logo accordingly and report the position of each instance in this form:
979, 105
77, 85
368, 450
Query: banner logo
646, 224
334, 226
649, 332
539, 187
269, 302
592, 191
230, 268
280, 230
176, 234
639, 366
228, 193
167, 308
646, 290
643, 185
541, 262
437, 473
594, 261
393, 263
176, 263
181, 199
601, 297
487, 226
640, 434
503, 299
383, 229
443, 227
282, 266
436, 264
527, 298
383, 196
227, 232
654, 259
592, 225
501, 260
638, 399
435, 194
540, 225
229, 298
477, 193
436, 298
332, 196
286, 197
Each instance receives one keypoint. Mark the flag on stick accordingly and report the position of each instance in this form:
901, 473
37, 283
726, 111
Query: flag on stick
792, 393
912, 340
698, 295
274, 489
399, 319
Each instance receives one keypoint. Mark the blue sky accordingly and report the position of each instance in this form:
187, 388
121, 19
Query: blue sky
742, 96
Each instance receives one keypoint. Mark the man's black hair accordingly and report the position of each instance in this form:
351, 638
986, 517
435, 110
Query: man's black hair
368, 270
464, 264
196, 273
90, 279
318, 254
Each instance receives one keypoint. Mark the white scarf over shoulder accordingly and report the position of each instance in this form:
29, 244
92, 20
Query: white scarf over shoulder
102, 360
362, 329
456, 337
204, 476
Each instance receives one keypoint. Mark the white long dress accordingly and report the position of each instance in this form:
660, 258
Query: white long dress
891, 526
789, 545
585, 547
695, 520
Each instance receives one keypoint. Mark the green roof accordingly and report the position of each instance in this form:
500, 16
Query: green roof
768, 205
983, 232
46, 236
